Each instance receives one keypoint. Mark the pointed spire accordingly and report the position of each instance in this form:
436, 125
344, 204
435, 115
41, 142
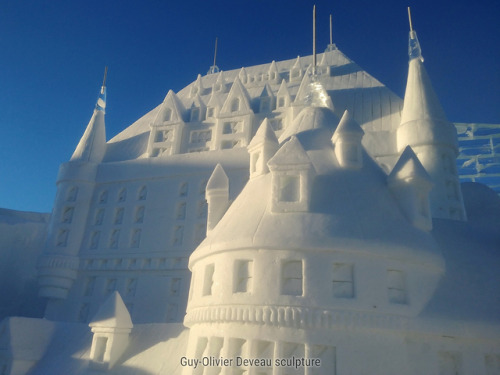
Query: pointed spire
214, 68
92, 145
414, 50
331, 46
197, 87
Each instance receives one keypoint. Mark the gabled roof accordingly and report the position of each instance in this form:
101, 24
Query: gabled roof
237, 91
290, 154
112, 314
243, 75
283, 90
409, 167
173, 103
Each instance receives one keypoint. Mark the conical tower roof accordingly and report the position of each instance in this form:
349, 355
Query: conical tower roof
92, 145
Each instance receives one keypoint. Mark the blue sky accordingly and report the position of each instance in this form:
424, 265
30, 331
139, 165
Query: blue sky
54, 53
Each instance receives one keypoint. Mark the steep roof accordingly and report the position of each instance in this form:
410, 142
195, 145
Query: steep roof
112, 314
350, 210
92, 145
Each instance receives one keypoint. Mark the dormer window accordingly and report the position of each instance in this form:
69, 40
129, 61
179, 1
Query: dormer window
289, 188
210, 112
167, 114
281, 102
235, 105
265, 105
195, 114
292, 172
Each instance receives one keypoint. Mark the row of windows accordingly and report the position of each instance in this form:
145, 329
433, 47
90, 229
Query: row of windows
292, 280
134, 264
135, 237
142, 194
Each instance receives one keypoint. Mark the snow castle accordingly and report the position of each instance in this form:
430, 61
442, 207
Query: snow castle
280, 219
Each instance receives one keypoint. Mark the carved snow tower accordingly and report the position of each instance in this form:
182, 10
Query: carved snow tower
432, 137
293, 263
57, 267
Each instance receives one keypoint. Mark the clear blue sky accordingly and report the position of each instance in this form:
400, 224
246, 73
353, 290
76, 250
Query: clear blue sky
53, 55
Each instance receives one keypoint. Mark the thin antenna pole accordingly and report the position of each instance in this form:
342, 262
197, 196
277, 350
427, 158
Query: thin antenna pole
331, 33
314, 36
409, 18
105, 75
215, 53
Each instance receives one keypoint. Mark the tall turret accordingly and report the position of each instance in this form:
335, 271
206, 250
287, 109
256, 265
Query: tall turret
58, 265
425, 128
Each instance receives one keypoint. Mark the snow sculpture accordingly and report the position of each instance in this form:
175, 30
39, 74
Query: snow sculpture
217, 193
57, 267
432, 137
291, 171
167, 128
347, 140
262, 147
411, 185
111, 326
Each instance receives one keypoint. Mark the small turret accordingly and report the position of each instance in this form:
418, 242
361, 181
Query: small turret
111, 326
425, 128
347, 141
262, 148
217, 194
410, 184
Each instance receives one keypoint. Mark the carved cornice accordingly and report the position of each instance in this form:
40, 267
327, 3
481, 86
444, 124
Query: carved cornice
295, 317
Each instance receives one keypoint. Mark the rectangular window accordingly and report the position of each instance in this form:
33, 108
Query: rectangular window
289, 188
396, 286
343, 282
110, 285
119, 215
130, 287
88, 288
291, 278
175, 286
208, 279
243, 274
100, 348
